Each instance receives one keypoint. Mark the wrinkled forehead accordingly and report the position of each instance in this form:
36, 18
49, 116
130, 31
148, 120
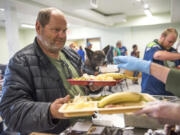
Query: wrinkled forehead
56, 14
58, 20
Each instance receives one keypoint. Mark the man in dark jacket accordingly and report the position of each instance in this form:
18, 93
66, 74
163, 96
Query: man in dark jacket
35, 84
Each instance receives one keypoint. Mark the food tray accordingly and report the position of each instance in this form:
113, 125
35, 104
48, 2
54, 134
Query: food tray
94, 82
88, 112
113, 110
119, 109
78, 112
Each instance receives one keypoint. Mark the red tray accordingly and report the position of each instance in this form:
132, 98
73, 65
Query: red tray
97, 83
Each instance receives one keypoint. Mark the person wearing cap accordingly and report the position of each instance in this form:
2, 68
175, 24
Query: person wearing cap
89, 45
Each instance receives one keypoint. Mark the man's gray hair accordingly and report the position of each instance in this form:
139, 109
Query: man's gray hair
45, 14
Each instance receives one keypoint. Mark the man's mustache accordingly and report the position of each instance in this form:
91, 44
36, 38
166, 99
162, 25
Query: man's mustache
60, 40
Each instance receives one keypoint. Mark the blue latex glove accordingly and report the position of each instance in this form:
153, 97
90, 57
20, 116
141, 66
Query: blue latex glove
133, 64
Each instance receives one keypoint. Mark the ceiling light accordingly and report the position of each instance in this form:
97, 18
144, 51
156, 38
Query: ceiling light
138, 0
124, 20
146, 6
148, 12
27, 26
2, 9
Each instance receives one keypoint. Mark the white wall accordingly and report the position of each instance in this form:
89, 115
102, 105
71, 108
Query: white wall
4, 54
107, 37
143, 35
26, 36
129, 36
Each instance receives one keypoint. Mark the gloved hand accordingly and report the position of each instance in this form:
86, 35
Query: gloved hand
133, 63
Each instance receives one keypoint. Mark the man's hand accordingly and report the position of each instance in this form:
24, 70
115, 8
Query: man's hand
164, 112
133, 64
54, 107
96, 73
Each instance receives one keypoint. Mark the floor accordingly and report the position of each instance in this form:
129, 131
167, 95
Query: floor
132, 87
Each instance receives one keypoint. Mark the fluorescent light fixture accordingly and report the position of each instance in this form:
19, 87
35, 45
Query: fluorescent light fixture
138, 0
148, 12
2, 9
146, 6
27, 26
124, 20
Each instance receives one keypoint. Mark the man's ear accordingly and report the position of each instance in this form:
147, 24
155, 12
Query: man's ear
38, 27
89, 53
106, 49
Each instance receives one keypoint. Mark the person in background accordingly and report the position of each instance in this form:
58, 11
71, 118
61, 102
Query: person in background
165, 112
135, 53
72, 46
81, 53
122, 49
89, 45
35, 82
161, 52
117, 51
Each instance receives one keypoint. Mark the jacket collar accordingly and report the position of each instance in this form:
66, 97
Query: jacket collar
45, 62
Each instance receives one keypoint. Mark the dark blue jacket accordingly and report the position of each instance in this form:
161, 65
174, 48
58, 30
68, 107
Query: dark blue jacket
31, 84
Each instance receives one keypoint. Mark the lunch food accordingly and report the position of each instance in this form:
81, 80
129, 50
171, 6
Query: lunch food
101, 77
80, 106
120, 97
80, 103
104, 77
123, 102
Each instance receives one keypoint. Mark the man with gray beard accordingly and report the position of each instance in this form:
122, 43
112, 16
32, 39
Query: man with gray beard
35, 82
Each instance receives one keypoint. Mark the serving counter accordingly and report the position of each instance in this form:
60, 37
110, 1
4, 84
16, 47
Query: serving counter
106, 131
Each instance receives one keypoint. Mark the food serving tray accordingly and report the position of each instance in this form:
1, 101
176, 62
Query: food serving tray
77, 112
111, 110
88, 112
94, 82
